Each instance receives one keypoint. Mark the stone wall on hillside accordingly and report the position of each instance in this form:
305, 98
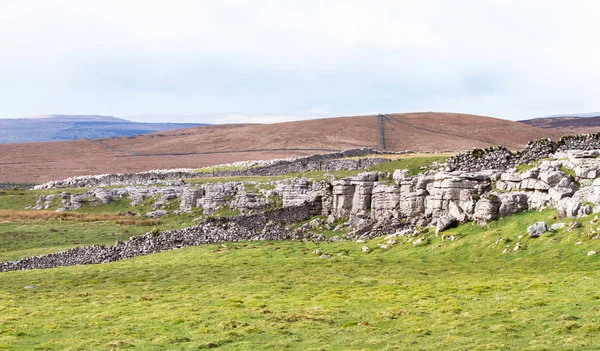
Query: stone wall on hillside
501, 158
321, 162
270, 225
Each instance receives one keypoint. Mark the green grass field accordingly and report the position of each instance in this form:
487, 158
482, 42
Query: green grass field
452, 295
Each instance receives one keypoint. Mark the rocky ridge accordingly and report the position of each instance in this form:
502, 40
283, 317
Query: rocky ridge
374, 204
344, 160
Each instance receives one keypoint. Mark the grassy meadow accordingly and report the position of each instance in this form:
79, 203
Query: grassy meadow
441, 294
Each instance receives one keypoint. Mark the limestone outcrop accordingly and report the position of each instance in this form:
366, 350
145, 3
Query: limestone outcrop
343, 160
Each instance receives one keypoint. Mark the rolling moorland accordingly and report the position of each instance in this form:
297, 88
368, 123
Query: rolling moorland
371, 271
567, 124
211, 145
74, 127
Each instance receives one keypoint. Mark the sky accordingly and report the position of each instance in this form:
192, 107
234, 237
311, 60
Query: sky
265, 61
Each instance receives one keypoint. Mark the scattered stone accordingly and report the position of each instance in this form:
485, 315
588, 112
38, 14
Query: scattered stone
517, 247
537, 229
330, 219
418, 241
156, 214
325, 256
574, 226
557, 226
365, 249
315, 223
29, 287
590, 253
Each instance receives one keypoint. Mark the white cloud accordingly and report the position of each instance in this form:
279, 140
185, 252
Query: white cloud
511, 59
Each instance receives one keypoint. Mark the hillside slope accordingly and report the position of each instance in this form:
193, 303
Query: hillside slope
209, 145
567, 124
69, 127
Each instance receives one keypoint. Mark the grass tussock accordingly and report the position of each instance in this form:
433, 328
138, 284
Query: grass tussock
12, 215
139, 222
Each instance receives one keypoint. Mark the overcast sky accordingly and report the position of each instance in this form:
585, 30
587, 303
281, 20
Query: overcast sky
282, 59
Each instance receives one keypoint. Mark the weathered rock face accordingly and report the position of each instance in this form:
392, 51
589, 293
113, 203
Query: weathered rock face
511, 203
343, 196
44, 202
295, 192
460, 189
413, 192
217, 195
250, 201
385, 202
487, 209
189, 198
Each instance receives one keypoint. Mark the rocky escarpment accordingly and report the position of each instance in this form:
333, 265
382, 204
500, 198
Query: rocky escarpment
370, 205
371, 198
344, 160
500, 158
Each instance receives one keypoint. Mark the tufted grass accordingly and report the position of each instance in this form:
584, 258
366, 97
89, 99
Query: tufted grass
451, 295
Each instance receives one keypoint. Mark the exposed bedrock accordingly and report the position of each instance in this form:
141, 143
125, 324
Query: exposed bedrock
372, 205
344, 160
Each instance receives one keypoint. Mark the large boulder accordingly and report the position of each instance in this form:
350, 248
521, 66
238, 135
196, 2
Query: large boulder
568, 207
445, 222
537, 229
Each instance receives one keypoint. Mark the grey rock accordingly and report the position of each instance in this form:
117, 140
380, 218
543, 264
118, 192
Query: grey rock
568, 207
487, 209
511, 203
445, 222
156, 214
537, 229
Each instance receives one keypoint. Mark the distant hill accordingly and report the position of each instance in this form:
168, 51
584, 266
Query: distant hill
216, 144
568, 124
70, 127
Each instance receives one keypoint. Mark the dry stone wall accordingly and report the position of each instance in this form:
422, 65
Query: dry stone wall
321, 162
270, 225
500, 158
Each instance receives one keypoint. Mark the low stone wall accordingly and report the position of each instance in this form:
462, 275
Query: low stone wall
270, 225
321, 162
500, 158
